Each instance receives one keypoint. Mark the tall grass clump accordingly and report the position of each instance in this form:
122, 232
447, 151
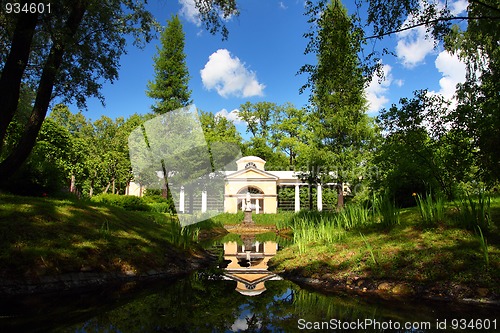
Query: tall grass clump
307, 231
483, 246
182, 237
431, 210
370, 249
474, 212
352, 216
387, 211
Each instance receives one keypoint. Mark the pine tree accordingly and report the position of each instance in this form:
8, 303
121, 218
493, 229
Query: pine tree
170, 85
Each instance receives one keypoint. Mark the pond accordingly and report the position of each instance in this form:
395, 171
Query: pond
241, 295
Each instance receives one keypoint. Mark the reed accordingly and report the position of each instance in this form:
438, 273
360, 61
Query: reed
182, 237
370, 249
484, 247
431, 210
386, 210
474, 212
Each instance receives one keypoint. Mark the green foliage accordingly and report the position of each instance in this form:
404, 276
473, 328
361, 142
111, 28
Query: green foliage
431, 209
387, 211
182, 237
127, 202
419, 151
370, 249
483, 246
474, 211
170, 85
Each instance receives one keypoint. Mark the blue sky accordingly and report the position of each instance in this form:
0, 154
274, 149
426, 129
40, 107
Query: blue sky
260, 60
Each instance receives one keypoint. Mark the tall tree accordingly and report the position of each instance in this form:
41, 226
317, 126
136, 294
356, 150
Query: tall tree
338, 118
170, 85
68, 51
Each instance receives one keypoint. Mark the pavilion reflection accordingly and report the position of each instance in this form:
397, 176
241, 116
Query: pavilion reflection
247, 264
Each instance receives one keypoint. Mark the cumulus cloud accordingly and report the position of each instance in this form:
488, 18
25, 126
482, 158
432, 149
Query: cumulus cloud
231, 116
377, 89
453, 71
190, 12
413, 46
458, 7
229, 76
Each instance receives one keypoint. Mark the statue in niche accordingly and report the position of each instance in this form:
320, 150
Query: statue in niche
248, 202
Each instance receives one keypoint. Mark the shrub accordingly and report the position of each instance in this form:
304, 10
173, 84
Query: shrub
127, 202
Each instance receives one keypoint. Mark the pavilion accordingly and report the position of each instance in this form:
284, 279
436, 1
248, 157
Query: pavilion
250, 177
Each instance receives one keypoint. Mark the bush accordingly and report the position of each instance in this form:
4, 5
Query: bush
161, 207
127, 202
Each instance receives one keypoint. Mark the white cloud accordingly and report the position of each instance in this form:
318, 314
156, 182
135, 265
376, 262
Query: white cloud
453, 71
282, 5
231, 116
458, 7
413, 46
190, 12
229, 76
399, 82
375, 92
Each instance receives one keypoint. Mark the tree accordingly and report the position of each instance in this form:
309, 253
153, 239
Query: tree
421, 151
223, 139
289, 131
67, 53
170, 85
337, 118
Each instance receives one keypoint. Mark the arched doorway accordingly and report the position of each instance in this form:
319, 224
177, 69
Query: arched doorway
256, 198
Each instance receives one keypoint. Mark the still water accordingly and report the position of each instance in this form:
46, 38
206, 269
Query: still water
240, 295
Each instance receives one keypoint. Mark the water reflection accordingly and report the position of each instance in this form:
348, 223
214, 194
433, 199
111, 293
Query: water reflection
246, 264
207, 302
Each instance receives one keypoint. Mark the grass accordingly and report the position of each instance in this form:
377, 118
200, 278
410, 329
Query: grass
449, 252
431, 210
46, 236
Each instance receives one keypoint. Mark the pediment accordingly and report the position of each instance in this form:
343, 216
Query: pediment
251, 173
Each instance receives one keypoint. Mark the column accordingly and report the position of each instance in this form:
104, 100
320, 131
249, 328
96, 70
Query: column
297, 197
319, 196
257, 206
181, 200
204, 201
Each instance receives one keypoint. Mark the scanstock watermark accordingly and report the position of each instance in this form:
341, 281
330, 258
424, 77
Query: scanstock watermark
380, 325
170, 152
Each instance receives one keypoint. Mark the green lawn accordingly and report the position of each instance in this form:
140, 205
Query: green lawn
44, 236
407, 252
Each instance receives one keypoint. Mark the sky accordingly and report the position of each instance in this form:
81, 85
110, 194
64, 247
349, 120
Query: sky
260, 60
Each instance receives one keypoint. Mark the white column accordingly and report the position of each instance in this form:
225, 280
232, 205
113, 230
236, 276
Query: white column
297, 197
257, 206
181, 200
319, 196
203, 201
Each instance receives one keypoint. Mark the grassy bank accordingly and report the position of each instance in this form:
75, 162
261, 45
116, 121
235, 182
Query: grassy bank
403, 246
46, 236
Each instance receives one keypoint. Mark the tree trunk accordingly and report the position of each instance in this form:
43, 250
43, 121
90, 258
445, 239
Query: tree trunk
13, 70
72, 186
44, 94
340, 197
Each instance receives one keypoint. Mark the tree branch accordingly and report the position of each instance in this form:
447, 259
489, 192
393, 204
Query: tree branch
441, 19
